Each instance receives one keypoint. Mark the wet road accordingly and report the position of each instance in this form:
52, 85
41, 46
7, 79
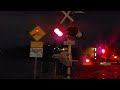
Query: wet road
96, 72
23, 68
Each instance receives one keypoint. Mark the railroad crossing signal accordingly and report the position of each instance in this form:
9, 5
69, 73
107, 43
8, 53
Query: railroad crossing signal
58, 32
66, 16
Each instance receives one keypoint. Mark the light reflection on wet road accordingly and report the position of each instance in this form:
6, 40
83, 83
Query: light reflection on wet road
97, 72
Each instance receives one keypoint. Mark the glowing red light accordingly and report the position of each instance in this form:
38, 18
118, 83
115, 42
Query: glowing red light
115, 56
58, 32
87, 60
103, 51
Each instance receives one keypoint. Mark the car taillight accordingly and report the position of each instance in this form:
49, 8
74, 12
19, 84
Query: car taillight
115, 57
87, 60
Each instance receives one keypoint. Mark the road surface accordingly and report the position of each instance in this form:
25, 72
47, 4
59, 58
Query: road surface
96, 72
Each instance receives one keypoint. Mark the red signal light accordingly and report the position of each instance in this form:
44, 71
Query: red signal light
58, 32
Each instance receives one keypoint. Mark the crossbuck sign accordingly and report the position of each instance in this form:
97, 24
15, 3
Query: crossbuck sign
66, 16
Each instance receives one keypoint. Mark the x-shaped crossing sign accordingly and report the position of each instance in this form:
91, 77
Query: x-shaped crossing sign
66, 16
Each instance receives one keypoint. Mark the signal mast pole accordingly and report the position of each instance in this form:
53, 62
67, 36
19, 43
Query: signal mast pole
69, 57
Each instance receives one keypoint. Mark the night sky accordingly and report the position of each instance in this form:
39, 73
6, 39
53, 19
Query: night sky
95, 26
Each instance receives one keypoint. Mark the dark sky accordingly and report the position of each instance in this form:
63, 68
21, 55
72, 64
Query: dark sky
95, 25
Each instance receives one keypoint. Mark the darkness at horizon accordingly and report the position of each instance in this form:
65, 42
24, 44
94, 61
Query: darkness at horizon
95, 25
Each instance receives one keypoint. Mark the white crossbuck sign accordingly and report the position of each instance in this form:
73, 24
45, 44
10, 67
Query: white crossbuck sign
66, 16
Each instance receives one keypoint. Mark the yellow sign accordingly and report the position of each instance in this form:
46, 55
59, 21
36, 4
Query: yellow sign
36, 44
37, 33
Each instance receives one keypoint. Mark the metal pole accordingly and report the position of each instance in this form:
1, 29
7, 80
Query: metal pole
41, 69
68, 72
70, 58
35, 68
70, 54
55, 71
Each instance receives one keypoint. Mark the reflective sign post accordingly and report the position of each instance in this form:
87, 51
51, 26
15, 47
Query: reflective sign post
55, 70
35, 68
36, 49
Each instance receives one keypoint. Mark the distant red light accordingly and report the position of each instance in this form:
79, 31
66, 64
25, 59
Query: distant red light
103, 51
87, 60
115, 56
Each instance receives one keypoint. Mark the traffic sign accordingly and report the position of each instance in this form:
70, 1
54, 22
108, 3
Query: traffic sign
36, 44
36, 52
37, 33
66, 16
